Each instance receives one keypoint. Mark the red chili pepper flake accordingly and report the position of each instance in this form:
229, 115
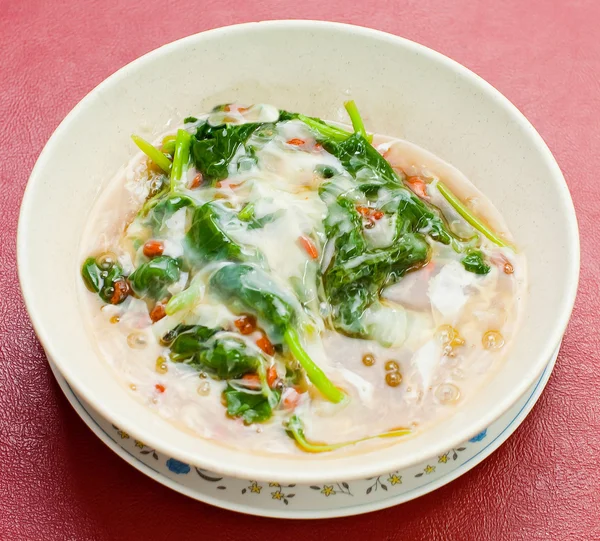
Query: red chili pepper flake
271, 376
154, 248
243, 109
227, 108
196, 181
309, 246
160, 388
251, 380
318, 147
265, 344
121, 290
296, 142
158, 312
291, 399
417, 185
246, 324
378, 214
363, 211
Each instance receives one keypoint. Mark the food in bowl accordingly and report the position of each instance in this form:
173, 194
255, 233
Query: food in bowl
283, 284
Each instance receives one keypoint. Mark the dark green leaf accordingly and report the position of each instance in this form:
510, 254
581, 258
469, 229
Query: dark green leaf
250, 289
92, 275
206, 239
213, 147
164, 208
101, 279
252, 408
325, 171
226, 357
474, 262
152, 279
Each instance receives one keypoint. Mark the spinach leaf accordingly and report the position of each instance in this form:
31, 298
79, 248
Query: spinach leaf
372, 172
105, 278
227, 357
251, 407
152, 279
474, 262
185, 341
248, 288
353, 284
164, 208
213, 147
206, 239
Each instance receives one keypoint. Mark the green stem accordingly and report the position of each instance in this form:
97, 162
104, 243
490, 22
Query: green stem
313, 372
295, 429
247, 213
357, 122
187, 298
181, 156
153, 153
168, 144
325, 130
459, 207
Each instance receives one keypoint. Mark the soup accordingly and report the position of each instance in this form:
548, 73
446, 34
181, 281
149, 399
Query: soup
282, 284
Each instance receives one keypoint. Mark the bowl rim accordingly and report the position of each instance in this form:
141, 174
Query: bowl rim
368, 468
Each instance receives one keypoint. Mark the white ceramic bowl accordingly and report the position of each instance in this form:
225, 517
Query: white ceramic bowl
403, 89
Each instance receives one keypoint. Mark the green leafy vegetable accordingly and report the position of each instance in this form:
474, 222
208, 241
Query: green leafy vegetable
187, 298
206, 238
152, 279
295, 429
153, 153
226, 356
474, 262
101, 277
252, 407
214, 147
157, 211
248, 288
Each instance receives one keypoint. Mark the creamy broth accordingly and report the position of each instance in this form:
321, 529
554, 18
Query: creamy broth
424, 347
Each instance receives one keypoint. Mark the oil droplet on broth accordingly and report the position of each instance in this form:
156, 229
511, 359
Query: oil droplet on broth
137, 340
161, 365
392, 366
368, 359
492, 340
393, 379
204, 388
106, 260
445, 334
447, 393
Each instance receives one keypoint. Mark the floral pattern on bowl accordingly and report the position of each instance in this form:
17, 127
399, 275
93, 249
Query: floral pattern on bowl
308, 501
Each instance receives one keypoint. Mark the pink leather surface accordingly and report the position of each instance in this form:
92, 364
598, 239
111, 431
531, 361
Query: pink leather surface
58, 481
